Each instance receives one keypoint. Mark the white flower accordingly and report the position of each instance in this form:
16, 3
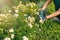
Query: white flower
41, 21
25, 38
32, 20
10, 11
25, 15
39, 29
16, 15
34, 4
29, 17
30, 25
20, 2
16, 11
11, 30
12, 36
2, 15
37, 25
31, 5
7, 38
34, 31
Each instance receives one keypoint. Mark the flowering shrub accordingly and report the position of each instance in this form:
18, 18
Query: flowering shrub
24, 24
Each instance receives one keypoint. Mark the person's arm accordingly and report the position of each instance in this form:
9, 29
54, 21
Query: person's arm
46, 4
53, 15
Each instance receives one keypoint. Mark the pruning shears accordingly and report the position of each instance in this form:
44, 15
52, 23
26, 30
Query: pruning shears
42, 15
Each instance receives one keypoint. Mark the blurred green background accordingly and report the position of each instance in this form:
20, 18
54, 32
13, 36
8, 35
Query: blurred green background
19, 21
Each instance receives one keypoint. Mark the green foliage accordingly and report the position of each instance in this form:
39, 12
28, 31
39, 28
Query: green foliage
24, 22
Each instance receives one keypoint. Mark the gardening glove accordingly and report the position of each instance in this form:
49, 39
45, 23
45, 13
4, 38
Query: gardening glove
42, 16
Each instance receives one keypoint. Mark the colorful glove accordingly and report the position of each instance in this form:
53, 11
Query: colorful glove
42, 15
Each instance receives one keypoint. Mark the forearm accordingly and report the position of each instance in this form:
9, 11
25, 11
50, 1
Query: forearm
54, 14
46, 4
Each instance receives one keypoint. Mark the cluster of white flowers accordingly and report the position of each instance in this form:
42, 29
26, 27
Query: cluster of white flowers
7, 38
41, 21
37, 24
15, 15
10, 11
11, 30
7, 18
7, 15
31, 20
20, 2
25, 38
20, 6
2, 15
25, 15
16, 11
30, 25
39, 29
12, 36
